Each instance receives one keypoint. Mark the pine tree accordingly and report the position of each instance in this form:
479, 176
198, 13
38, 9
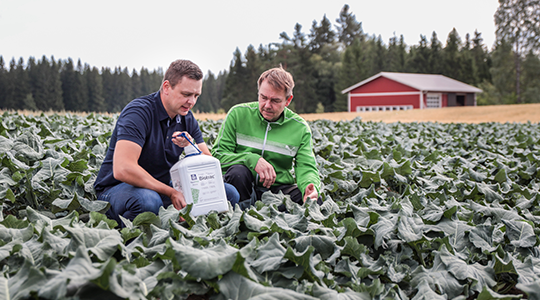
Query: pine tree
299, 60
377, 53
349, 29
84, 85
136, 84
321, 35
452, 63
253, 71
419, 57
326, 67
354, 68
402, 54
503, 72
396, 55
74, 91
305, 89
123, 88
531, 78
56, 102
299, 38
109, 93
9, 100
46, 84
38, 79
435, 55
150, 81
156, 78
205, 101
469, 73
481, 58
3, 82
96, 102
233, 92
210, 99
146, 86
220, 86
22, 92
264, 56
518, 23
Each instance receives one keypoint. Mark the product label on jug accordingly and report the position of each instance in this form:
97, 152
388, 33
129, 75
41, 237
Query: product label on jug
175, 178
203, 185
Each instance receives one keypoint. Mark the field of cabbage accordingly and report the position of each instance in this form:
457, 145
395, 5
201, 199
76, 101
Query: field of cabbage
411, 211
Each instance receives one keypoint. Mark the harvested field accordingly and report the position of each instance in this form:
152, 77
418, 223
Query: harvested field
521, 113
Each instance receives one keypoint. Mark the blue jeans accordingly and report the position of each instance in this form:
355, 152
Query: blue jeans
129, 201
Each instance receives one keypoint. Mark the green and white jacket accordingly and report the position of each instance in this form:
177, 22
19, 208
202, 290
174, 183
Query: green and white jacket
245, 136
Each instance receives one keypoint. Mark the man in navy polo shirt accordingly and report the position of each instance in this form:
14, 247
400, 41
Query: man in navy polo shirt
134, 176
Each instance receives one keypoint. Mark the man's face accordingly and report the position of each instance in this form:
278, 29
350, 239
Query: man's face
272, 102
180, 99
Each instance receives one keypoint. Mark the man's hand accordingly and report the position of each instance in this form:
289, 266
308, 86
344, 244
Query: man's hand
266, 172
311, 192
177, 199
180, 141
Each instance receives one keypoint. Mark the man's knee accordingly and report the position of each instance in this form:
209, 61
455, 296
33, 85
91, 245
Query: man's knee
129, 201
148, 200
238, 173
241, 178
232, 194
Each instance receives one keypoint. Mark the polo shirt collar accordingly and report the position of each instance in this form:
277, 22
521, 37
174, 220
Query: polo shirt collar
162, 113
160, 109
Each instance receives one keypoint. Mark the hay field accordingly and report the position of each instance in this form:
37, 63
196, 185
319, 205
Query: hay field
521, 113
518, 113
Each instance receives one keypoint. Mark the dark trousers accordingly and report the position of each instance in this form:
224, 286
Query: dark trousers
241, 178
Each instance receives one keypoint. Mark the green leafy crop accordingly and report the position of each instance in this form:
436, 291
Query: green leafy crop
411, 211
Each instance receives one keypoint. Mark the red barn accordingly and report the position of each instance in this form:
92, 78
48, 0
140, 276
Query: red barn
403, 91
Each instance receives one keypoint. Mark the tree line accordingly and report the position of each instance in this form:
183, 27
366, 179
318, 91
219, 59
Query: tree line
47, 84
324, 61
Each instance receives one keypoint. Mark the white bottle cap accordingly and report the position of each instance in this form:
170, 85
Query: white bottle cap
191, 150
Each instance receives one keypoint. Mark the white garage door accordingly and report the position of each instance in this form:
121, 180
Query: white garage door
433, 100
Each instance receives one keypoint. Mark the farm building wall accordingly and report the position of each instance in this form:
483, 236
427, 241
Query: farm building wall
382, 85
378, 95
385, 102
452, 99
469, 100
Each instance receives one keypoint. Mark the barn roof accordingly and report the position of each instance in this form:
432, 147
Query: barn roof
422, 82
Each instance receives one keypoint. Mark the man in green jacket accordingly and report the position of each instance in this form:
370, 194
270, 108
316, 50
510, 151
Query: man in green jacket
264, 145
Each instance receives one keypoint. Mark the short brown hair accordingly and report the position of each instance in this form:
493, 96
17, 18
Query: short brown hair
279, 79
180, 68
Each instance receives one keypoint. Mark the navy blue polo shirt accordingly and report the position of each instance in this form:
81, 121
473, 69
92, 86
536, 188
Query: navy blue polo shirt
144, 121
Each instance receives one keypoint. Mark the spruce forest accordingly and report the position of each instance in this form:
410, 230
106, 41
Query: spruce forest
324, 61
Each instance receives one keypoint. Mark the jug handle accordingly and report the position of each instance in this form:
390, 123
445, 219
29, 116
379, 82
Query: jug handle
183, 134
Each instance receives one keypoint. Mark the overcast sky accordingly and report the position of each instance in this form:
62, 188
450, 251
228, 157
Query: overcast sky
152, 33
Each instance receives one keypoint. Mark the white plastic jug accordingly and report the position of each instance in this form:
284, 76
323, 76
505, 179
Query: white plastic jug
199, 178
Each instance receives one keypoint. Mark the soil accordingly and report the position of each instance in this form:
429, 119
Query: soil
517, 113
